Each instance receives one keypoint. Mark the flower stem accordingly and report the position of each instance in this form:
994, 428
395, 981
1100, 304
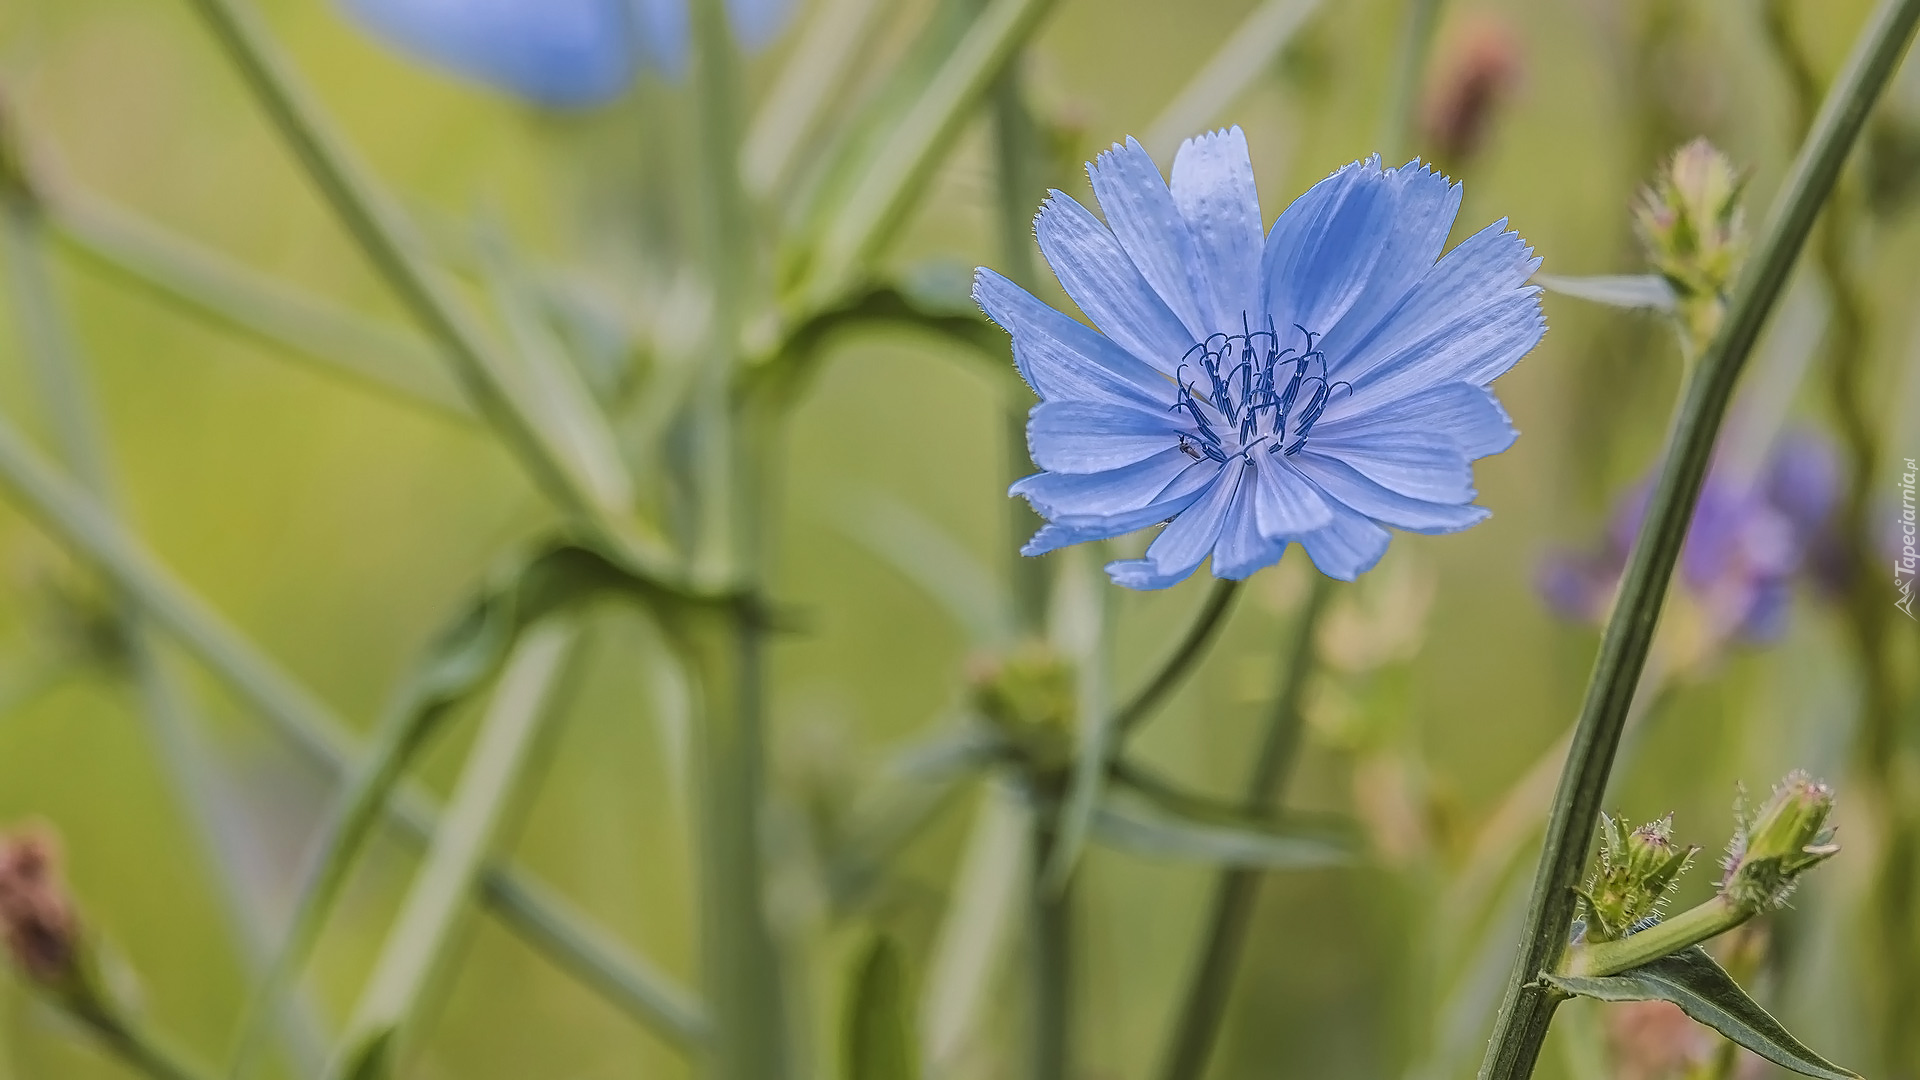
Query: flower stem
1236, 890
1527, 1008
1050, 916
140, 1048
1205, 626
1018, 190
1664, 938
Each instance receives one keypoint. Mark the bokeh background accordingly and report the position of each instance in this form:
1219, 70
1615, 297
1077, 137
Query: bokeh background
337, 527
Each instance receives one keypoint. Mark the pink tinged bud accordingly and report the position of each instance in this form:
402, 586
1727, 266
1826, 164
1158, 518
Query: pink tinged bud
1474, 77
1786, 837
1638, 872
37, 918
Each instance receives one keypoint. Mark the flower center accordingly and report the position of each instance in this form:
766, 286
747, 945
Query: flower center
1243, 390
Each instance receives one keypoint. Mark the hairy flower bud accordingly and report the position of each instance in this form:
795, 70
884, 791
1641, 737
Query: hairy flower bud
37, 918
1028, 694
1693, 227
1638, 871
1776, 844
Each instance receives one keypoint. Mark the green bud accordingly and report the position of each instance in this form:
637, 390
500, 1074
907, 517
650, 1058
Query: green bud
1028, 694
1776, 844
1638, 871
1692, 225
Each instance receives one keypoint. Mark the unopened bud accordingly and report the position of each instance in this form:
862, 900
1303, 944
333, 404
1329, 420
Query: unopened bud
1028, 693
1786, 837
1638, 871
1691, 221
37, 918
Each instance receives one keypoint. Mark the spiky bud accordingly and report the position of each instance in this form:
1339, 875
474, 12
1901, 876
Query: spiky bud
1638, 872
1028, 693
1691, 221
1774, 845
37, 918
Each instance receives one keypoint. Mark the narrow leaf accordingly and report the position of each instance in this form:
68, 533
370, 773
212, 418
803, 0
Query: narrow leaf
880, 1042
1244, 59
1649, 291
933, 560
1143, 829
1703, 990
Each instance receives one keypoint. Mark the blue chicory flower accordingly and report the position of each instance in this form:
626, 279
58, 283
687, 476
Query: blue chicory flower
1750, 539
558, 53
1314, 385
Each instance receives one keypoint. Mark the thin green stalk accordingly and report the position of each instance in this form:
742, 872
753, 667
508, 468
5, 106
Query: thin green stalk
1690, 927
1235, 891
1527, 1009
356, 813
390, 244
874, 210
57, 371
740, 959
1417, 22
529, 908
1868, 615
140, 1049
1050, 960
1019, 190
1245, 57
211, 286
1180, 663
418, 944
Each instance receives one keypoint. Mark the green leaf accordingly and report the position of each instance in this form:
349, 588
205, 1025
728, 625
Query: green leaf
371, 1058
1145, 829
1703, 990
1647, 291
928, 556
880, 1043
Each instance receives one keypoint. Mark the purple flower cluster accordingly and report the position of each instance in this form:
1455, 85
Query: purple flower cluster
1750, 539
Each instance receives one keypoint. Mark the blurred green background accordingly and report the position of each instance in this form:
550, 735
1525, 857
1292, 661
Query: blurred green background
337, 528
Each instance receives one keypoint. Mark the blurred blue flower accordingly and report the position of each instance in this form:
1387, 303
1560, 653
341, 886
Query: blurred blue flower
1312, 386
559, 53
1750, 539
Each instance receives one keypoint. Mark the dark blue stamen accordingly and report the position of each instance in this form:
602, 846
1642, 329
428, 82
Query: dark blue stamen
1243, 387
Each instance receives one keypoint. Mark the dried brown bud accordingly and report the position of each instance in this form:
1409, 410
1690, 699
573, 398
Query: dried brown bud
36, 914
1472, 80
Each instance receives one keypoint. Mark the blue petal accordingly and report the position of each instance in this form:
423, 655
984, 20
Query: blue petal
1184, 543
1349, 547
1083, 501
1468, 416
1213, 187
1417, 464
1425, 204
1286, 503
1323, 249
1092, 436
1345, 484
1061, 358
665, 37
564, 53
1474, 347
1100, 277
1068, 528
757, 22
1142, 214
1489, 266
1243, 548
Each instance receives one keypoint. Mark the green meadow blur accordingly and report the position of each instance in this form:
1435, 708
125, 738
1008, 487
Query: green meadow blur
337, 528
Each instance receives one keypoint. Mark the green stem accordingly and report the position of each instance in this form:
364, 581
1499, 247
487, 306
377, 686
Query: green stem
531, 909
1235, 891
1527, 1008
1417, 22
1669, 936
1018, 191
1207, 624
739, 956
358, 810
390, 244
418, 944
140, 1048
1050, 918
